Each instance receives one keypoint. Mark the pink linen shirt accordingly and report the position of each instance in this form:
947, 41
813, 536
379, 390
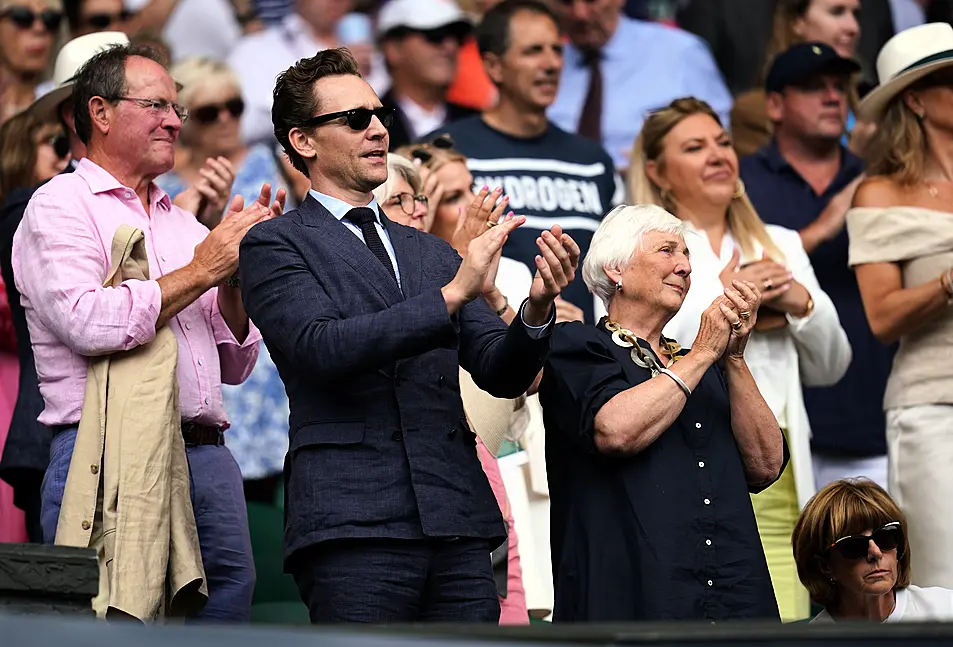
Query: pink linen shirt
61, 255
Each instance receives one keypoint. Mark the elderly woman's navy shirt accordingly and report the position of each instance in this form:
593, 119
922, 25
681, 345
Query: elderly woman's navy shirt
668, 533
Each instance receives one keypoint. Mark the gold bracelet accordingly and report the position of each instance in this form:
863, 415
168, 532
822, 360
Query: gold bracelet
506, 304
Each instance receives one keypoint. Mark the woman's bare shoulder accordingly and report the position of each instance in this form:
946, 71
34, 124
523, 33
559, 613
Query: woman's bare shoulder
880, 192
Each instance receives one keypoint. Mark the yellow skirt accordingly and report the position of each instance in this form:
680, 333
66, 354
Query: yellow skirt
776, 510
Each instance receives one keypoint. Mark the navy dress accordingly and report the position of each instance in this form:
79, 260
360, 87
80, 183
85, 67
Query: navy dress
665, 534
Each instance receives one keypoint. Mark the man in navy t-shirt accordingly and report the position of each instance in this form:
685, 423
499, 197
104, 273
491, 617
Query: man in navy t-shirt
550, 176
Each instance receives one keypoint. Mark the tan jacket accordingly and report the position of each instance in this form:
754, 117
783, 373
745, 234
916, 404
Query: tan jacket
127, 493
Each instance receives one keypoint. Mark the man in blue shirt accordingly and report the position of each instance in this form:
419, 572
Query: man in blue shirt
618, 69
549, 175
805, 180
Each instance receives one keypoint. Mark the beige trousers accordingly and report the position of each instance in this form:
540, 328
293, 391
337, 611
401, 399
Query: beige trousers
920, 454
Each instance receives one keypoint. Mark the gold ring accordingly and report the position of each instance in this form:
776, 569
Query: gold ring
768, 284
745, 315
490, 224
737, 325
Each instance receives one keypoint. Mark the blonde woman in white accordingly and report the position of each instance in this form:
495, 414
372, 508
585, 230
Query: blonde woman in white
684, 162
901, 247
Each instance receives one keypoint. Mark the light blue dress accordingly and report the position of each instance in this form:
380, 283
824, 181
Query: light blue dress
257, 409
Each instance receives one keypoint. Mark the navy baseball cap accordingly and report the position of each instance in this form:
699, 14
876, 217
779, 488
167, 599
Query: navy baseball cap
804, 61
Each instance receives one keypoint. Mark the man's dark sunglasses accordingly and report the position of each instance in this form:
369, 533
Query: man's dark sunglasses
456, 31
357, 119
209, 113
25, 18
855, 546
104, 20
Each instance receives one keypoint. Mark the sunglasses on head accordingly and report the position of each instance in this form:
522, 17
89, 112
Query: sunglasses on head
209, 113
357, 119
443, 142
104, 20
887, 538
25, 18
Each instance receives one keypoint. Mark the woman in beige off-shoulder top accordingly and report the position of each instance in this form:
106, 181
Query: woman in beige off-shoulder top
901, 246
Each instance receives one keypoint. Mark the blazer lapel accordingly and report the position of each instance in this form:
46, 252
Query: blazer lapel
350, 249
407, 251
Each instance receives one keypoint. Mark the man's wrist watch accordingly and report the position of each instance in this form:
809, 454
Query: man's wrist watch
233, 281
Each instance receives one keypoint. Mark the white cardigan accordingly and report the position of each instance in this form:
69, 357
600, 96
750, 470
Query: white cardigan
813, 351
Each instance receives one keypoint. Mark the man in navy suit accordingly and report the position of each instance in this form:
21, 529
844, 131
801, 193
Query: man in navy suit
389, 517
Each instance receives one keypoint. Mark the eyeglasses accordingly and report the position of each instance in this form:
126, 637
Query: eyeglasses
407, 201
105, 20
855, 546
158, 106
442, 142
437, 36
357, 119
209, 113
25, 18
60, 144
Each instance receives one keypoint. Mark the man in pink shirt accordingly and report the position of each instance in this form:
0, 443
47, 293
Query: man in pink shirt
125, 113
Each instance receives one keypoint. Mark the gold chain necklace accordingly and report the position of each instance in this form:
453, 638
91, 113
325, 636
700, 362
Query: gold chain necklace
626, 338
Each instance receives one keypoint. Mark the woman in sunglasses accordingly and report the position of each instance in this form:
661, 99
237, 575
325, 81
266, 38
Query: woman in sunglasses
852, 555
30, 152
211, 147
28, 31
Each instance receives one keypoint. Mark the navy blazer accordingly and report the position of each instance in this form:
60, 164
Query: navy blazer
379, 445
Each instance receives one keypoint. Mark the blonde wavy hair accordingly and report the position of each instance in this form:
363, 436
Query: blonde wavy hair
743, 220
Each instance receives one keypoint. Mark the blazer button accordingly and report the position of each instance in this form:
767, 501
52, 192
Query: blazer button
452, 433
85, 525
397, 435
94, 469
441, 380
398, 380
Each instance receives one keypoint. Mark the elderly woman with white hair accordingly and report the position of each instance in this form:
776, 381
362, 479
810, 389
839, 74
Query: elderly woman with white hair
652, 449
401, 197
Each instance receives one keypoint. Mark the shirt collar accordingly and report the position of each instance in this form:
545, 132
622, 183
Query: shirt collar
101, 181
339, 208
850, 164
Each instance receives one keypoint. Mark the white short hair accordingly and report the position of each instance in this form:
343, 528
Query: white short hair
398, 168
615, 240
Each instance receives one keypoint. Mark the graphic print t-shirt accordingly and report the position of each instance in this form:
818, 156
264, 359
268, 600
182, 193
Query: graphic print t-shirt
555, 179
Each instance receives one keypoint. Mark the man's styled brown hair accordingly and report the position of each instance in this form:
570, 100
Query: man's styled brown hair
295, 100
845, 507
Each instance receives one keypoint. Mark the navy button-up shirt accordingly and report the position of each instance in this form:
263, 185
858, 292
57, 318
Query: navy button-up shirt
847, 419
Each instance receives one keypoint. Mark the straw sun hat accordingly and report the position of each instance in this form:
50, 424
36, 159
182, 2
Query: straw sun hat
905, 59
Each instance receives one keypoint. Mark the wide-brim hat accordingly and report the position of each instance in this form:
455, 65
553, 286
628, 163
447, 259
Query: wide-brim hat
70, 59
905, 59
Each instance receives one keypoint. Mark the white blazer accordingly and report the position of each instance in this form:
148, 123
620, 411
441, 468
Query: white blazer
813, 351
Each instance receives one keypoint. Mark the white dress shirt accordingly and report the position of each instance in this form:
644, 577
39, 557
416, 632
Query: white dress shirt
913, 605
809, 351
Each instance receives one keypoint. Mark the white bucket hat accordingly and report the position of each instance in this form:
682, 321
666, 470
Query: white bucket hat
70, 59
905, 59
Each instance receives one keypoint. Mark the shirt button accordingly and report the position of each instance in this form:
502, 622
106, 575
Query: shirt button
710, 583
707, 501
94, 469
206, 401
701, 463
85, 525
128, 195
200, 362
188, 326
163, 258
708, 542
698, 425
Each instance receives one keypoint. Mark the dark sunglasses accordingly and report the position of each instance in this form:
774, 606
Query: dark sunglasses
444, 142
887, 538
437, 36
25, 18
60, 144
104, 20
208, 114
357, 119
